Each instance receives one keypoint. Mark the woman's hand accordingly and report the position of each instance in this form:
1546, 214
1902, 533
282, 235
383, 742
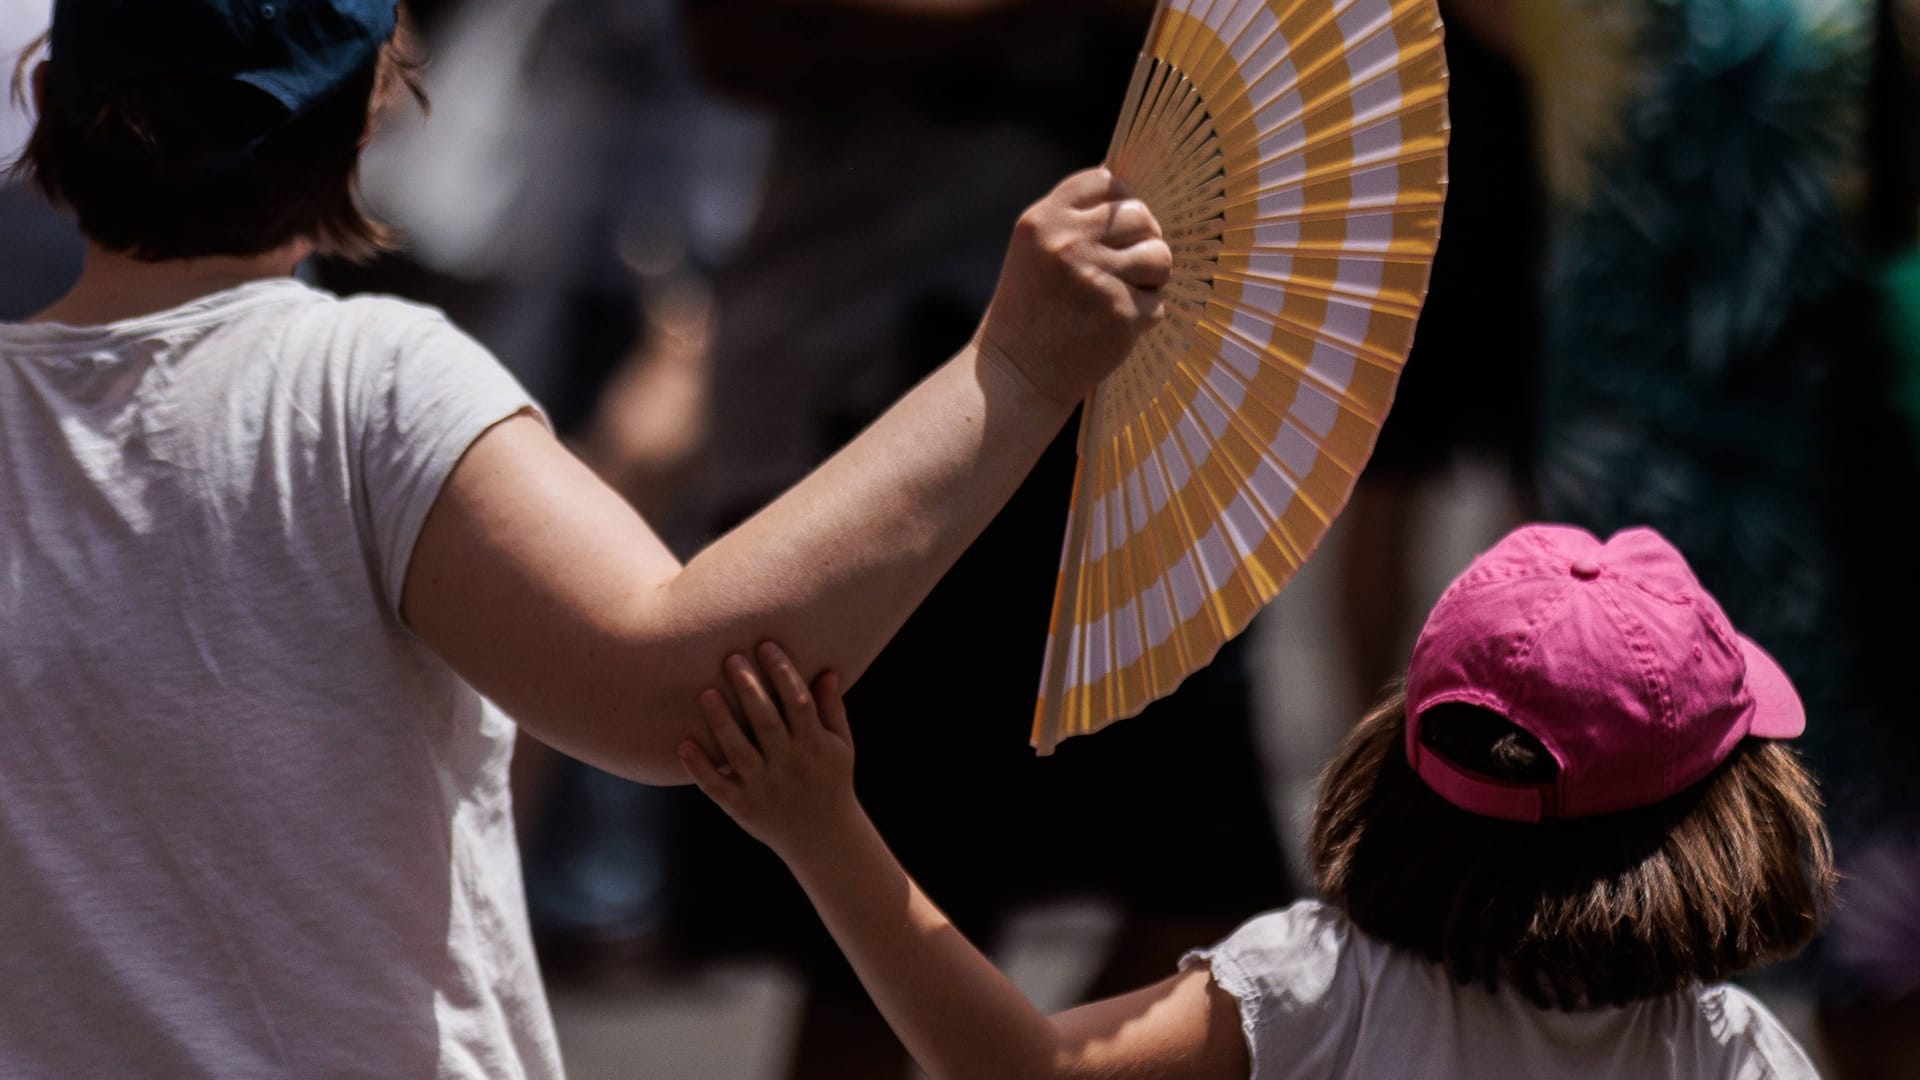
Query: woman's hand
791, 785
1081, 283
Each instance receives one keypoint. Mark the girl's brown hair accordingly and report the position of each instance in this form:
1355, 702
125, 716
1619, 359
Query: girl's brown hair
176, 168
1571, 913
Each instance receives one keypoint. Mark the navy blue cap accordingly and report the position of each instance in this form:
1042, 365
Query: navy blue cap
295, 50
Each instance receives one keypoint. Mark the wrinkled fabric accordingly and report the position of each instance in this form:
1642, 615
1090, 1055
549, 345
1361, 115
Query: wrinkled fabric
1320, 999
250, 826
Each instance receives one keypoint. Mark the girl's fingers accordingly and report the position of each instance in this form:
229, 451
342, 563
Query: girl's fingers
706, 776
742, 756
762, 714
794, 698
833, 710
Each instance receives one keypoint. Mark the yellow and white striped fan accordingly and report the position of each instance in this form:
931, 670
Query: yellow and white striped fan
1295, 154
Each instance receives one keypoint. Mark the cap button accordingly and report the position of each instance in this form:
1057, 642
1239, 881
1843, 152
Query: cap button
1586, 569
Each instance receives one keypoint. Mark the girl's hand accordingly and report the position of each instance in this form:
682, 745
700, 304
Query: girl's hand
793, 791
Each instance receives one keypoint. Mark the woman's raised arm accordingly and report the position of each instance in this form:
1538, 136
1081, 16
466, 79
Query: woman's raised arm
544, 590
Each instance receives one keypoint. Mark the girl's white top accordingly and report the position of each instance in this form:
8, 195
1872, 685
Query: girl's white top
250, 826
1319, 998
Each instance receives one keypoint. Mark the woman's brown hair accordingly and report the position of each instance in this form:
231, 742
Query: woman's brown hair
1570, 913
176, 168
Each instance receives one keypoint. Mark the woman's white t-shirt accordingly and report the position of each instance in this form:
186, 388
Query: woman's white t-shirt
1319, 998
250, 826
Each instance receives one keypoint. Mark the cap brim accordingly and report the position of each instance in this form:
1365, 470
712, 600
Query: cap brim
1777, 712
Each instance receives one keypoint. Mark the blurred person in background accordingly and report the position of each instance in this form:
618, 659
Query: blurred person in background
1726, 180
42, 248
904, 129
567, 204
1468, 392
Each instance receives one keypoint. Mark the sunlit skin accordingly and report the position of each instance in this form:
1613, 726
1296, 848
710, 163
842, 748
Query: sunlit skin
781, 765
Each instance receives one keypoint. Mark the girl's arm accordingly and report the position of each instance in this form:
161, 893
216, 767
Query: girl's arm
552, 597
791, 787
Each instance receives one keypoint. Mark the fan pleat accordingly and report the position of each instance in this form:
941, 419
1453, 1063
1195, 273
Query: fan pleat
1331, 77
1364, 394
1312, 331
1294, 153
1129, 640
1211, 407
1194, 581
1167, 658
1399, 253
1404, 219
1270, 445
1377, 301
1095, 659
1093, 530
1309, 404
1365, 142
1123, 697
1318, 180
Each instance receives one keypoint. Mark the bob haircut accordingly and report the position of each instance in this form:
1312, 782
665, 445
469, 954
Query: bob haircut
154, 173
1571, 913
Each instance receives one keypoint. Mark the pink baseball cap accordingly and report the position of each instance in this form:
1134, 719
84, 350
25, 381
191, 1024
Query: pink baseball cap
1612, 655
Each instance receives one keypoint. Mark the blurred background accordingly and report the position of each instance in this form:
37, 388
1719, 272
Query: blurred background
1677, 286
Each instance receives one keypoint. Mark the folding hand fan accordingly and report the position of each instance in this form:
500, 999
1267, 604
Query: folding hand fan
1295, 154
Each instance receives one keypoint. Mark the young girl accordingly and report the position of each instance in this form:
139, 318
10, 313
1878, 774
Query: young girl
1542, 858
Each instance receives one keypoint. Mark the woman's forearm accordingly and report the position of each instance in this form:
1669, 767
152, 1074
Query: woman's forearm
838, 563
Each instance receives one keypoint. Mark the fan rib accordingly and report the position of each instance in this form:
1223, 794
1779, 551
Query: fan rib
1130, 108
1122, 161
1164, 75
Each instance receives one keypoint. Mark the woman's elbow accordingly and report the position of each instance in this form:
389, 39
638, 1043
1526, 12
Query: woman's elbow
639, 742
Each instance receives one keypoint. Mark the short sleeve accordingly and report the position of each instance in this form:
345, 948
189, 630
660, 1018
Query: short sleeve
425, 400
1740, 1026
1298, 1002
